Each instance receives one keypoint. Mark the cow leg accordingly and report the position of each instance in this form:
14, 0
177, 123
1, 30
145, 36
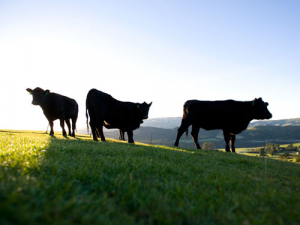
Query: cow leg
124, 139
73, 126
62, 124
100, 133
227, 139
68, 125
94, 131
194, 133
183, 127
122, 135
51, 127
99, 129
130, 136
232, 140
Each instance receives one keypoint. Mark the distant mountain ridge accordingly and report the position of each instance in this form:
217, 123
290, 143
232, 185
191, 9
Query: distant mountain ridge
163, 131
255, 136
172, 122
284, 122
162, 122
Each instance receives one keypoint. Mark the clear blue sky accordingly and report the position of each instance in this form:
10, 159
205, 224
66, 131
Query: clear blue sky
161, 51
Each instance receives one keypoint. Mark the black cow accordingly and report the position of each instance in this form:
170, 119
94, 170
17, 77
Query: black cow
56, 106
231, 116
106, 111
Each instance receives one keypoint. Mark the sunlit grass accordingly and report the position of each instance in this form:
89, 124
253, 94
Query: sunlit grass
53, 180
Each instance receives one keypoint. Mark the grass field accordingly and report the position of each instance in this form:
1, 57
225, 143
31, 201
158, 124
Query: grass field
53, 180
276, 155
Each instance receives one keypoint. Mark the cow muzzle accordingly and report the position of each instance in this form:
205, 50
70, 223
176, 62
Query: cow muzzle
34, 103
270, 116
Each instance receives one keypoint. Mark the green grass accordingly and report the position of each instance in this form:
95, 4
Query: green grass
46, 180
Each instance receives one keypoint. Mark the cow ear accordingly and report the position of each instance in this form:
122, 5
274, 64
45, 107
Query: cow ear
47, 92
254, 101
29, 90
150, 104
266, 103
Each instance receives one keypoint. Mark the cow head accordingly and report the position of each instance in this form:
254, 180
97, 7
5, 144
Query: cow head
260, 109
144, 109
38, 95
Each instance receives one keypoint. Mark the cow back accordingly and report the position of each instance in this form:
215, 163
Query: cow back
231, 115
57, 105
115, 113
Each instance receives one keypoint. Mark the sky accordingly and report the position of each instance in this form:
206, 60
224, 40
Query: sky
159, 51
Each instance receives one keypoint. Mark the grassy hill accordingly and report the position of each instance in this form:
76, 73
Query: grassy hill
54, 180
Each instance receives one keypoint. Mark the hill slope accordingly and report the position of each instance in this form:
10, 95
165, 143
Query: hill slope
252, 137
172, 122
48, 180
163, 131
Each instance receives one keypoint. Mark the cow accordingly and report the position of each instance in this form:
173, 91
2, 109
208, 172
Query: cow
104, 110
56, 106
230, 116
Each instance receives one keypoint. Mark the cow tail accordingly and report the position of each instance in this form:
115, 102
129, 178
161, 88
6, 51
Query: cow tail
87, 117
47, 128
187, 133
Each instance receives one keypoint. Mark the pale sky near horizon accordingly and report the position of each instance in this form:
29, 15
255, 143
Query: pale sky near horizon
166, 52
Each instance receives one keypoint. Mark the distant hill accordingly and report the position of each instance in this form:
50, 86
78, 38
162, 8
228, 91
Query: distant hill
252, 137
286, 122
163, 131
163, 122
172, 122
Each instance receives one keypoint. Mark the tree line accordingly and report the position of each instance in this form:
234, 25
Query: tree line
271, 149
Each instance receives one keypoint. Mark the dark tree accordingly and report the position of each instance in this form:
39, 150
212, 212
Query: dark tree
208, 145
262, 152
